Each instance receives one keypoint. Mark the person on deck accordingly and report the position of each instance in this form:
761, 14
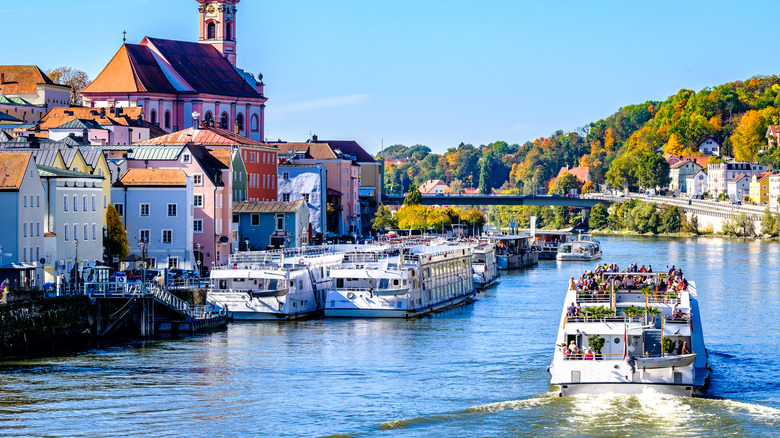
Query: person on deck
685, 349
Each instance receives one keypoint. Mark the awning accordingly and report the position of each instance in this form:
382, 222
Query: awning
132, 258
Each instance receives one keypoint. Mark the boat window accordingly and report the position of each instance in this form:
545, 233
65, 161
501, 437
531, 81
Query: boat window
273, 284
223, 284
292, 283
395, 282
339, 282
238, 279
384, 283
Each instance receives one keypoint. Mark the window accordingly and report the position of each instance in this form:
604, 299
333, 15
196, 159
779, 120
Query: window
167, 120
166, 236
38, 229
306, 197
75, 232
67, 236
255, 123
94, 231
286, 175
255, 220
84, 202
105, 201
38, 201
197, 226
264, 180
25, 229
211, 30
197, 179
143, 235
197, 201
173, 262
120, 209
223, 121
273, 180
94, 203
240, 122
25, 200
86, 232
186, 158
144, 209
208, 117
37, 252
171, 209
153, 117
285, 197
279, 222
25, 254
229, 31
75, 203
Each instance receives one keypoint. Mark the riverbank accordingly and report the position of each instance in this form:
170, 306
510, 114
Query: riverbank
682, 235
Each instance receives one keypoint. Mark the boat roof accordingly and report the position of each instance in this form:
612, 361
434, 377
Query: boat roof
509, 237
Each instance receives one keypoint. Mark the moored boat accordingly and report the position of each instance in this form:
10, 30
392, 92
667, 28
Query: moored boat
485, 265
400, 282
514, 251
281, 284
635, 331
584, 248
547, 243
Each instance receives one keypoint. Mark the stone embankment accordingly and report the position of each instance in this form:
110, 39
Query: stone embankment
31, 325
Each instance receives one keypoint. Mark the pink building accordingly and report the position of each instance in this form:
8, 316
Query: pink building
178, 83
212, 194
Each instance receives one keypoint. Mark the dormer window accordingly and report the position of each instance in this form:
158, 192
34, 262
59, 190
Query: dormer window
186, 158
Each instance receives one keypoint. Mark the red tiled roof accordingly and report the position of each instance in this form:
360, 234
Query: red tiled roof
203, 67
700, 160
207, 136
682, 163
581, 173
132, 69
12, 168
22, 79
153, 177
429, 185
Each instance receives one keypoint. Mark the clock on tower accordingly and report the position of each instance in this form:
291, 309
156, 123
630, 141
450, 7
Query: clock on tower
218, 25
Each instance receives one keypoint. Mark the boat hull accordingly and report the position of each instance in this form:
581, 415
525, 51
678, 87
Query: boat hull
269, 316
341, 312
577, 257
628, 388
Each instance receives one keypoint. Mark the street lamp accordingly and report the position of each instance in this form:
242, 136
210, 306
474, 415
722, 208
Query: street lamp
76, 265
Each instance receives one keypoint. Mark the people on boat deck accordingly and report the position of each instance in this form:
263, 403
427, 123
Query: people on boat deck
685, 349
643, 269
573, 310
589, 354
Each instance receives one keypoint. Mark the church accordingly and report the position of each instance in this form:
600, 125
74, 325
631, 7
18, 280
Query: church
178, 84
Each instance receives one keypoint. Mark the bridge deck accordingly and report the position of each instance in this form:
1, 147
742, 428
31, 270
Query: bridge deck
548, 200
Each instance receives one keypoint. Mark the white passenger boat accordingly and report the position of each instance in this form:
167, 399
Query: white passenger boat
547, 243
615, 338
400, 282
281, 284
584, 248
484, 265
514, 251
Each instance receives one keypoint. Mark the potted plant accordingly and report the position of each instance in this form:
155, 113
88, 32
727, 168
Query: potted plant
668, 345
652, 311
632, 311
596, 343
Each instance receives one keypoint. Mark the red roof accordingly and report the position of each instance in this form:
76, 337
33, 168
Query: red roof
682, 163
700, 160
22, 79
207, 136
349, 147
581, 173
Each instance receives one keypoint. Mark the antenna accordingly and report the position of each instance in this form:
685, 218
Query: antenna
124, 36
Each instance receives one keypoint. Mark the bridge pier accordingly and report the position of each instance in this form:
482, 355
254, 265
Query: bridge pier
585, 213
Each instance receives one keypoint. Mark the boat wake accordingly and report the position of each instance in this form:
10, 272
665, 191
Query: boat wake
538, 400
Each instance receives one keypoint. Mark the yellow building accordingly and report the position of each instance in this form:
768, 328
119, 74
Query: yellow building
759, 187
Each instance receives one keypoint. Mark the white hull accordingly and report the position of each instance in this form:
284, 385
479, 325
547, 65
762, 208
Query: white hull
268, 316
566, 390
396, 313
577, 257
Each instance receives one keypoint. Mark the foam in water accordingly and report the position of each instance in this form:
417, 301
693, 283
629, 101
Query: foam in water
515, 404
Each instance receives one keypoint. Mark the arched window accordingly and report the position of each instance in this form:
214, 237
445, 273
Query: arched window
208, 118
240, 122
229, 31
167, 120
255, 123
223, 121
153, 117
211, 30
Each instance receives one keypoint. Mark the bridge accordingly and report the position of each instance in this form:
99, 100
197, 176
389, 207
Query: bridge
514, 200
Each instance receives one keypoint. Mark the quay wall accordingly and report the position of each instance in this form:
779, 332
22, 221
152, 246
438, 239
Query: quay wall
31, 327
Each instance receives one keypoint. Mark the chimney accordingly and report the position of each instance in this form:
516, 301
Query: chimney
2, 78
102, 112
314, 137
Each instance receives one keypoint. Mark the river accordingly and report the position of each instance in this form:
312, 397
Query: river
479, 370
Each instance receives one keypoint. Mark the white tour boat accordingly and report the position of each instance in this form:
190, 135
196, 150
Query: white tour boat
483, 259
624, 332
280, 284
400, 282
584, 248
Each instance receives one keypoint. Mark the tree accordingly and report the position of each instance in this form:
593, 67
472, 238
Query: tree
76, 79
671, 221
411, 217
653, 171
566, 183
644, 218
383, 219
692, 225
748, 136
414, 197
739, 226
770, 223
456, 186
623, 173
116, 237
598, 216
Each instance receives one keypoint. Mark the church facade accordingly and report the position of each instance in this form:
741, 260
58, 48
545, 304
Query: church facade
180, 84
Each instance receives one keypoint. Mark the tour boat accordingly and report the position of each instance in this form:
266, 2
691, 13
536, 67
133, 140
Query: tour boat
280, 284
483, 259
400, 281
584, 248
615, 338
514, 251
547, 243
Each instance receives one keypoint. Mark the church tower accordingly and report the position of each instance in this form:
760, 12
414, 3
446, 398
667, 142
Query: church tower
218, 25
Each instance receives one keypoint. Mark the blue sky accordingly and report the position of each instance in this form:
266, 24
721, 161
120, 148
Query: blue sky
430, 72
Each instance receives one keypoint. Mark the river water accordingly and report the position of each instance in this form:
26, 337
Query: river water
479, 370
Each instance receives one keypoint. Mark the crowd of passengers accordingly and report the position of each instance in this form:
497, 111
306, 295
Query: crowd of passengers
573, 352
594, 281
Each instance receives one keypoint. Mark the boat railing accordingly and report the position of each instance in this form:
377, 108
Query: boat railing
250, 291
656, 297
602, 318
611, 356
373, 290
271, 256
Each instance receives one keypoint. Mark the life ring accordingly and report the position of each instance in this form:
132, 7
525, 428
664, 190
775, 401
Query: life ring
350, 295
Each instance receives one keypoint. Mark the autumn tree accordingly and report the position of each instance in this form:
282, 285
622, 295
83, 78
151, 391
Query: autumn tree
383, 219
653, 171
456, 186
748, 136
598, 216
76, 79
116, 238
566, 183
623, 173
414, 197
411, 217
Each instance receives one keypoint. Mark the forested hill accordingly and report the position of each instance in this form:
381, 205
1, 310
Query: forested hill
737, 114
